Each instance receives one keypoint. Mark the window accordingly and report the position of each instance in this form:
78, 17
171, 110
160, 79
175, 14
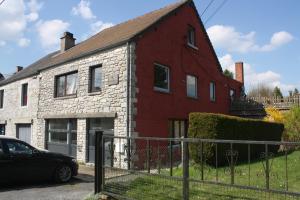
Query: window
177, 128
2, 129
24, 96
1, 98
66, 85
161, 78
191, 36
212, 91
17, 148
95, 78
59, 130
232, 94
191, 86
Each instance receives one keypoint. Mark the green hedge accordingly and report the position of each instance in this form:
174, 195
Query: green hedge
218, 126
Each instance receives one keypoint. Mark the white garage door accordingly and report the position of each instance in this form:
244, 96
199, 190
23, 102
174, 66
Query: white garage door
24, 132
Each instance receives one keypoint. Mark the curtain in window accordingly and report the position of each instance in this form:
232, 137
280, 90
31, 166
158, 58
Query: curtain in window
71, 84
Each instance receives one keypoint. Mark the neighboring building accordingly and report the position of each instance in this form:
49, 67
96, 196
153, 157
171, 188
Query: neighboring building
139, 78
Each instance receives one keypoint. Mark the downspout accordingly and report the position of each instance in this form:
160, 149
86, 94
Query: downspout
128, 125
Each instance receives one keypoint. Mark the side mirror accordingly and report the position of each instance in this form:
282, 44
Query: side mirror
35, 151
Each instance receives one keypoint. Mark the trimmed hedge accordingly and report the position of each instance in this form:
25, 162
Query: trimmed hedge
218, 126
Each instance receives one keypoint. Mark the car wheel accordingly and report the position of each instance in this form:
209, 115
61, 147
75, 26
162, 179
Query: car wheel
63, 174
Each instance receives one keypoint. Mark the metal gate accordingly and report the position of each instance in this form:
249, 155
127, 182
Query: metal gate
24, 132
192, 168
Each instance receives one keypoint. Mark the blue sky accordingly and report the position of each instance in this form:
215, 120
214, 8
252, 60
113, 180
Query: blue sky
262, 34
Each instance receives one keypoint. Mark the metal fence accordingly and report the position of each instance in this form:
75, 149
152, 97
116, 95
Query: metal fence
185, 168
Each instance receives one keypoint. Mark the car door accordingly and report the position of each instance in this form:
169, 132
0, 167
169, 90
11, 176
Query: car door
27, 164
6, 174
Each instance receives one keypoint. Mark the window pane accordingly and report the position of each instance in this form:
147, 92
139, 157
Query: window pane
191, 86
191, 36
2, 129
177, 129
60, 86
71, 84
58, 137
18, 148
24, 95
58, 124
212, 91
182, 128
161, 77
101, 124
96, 78
1, 98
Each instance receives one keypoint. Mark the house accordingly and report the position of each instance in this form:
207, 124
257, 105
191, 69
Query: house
139, 78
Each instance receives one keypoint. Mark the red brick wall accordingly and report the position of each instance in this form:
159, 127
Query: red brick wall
166, 44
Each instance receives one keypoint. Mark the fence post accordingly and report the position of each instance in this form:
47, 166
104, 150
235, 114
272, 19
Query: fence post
267, 167
148, 156
171, 157
185, 163
99, 172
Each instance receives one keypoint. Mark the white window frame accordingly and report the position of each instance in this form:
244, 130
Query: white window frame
168, 78
212, 91
195, 88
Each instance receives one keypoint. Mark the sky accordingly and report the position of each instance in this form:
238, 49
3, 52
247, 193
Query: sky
262, 34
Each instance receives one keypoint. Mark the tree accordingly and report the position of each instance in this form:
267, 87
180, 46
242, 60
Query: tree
290, 93
277, 92
292, 124
296, 92
228, 73
260, 91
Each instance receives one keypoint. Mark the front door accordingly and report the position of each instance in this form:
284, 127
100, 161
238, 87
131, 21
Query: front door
101, 124
24, 132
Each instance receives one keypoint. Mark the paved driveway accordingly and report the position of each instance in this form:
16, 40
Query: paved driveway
79, 188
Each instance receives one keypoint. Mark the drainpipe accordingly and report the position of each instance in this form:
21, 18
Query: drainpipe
128, 125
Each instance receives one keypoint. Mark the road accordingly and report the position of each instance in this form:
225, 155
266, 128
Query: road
79, 188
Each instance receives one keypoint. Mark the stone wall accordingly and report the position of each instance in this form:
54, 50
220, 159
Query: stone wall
111, 101
13, 113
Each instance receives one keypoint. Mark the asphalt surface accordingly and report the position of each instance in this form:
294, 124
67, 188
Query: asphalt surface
77, 189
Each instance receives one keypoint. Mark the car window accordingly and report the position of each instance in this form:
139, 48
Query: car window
16, 147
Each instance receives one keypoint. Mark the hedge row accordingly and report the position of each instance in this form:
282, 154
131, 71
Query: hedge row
218, 126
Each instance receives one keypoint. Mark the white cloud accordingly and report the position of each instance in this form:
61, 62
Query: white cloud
2, 43
34, 7
228, 38
15, 16
254, 78
99, 26
24, 42
278, 39
50, 32
83, 9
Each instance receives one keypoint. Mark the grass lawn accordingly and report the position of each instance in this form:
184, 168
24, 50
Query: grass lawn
154, 187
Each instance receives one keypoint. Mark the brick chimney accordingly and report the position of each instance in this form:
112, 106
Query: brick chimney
67, 42
239, 72
19, 68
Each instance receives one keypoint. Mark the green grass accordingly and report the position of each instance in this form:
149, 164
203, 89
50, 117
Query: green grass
154, 187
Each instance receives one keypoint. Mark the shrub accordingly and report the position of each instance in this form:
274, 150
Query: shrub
218, 126
274, 115
292, 124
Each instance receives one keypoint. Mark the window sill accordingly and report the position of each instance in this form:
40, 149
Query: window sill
192, 98
66, 97
94, 93
192, 46
161, 90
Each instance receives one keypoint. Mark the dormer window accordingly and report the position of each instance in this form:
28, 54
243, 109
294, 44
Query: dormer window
191, 36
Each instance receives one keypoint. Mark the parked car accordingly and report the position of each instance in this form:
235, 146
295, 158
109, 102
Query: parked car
20, 161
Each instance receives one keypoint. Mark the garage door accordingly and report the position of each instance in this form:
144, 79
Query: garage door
24, 132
